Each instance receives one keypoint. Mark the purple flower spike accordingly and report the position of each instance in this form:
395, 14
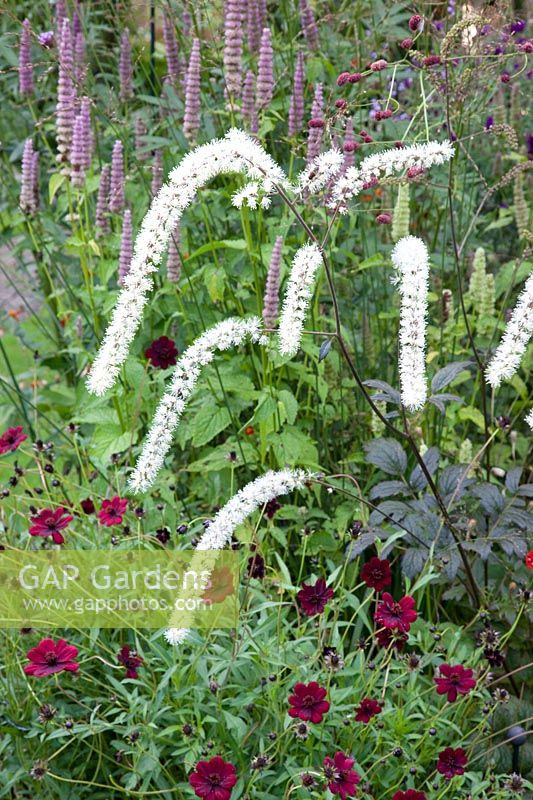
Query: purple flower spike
173, 257
27, 188
46, 39
66, 95
249, 111
25, 65
171, 50
81, 149
102, 201
157, 173
350, 145
60, 16
80, 66
271, 299
265, 71
296, 108
191, 119
125, 70
126, 247
309, 26
35, 172
116, 189
76, 20
254, 24
314, 140
233, 33
140, 132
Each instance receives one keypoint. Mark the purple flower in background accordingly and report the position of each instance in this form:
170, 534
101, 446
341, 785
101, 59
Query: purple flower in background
66, 94
28, 193
309, 26
76, 21
314, 140
517, 26
191, 118
171, 49
116, 189
173, 256
254, 24
80, 67
46, 39
349, 146
140, 145
489, 122
296, 108
157, 173
125, 70
60, 15
102, 201
126, 247
271, 299
265, 70
25, 65
249, 111
233, 35
529, 145
81, 149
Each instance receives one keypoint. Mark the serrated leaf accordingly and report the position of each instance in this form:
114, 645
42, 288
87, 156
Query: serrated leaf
413, 561
431, 459
208, 422
474, 415
359, 545
290, 404
387, 489
388, 455
447, 374
391, 395
490, 497
512, 479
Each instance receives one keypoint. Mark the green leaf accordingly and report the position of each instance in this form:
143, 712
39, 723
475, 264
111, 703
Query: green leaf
56, 180
472, 414
109, 439
208, 422
290, 404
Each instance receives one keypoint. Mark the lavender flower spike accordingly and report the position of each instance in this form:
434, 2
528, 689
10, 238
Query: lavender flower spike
80, 152
309, 25
173, 256
125, 69
126, 247
116, 189
102, 201
191, 119
66, 95
27, 192
271, 299
265, 70
60, 15
80, 66
140, 132
314, 140
35, 179
233, 35
171, 49
25, 65
255, 25
296, 107
249, 112
157, 173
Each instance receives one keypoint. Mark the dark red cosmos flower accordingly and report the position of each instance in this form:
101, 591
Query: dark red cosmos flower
376, 574
313, 599
454, 681
341, 778
409, 794
367, 709
529, 559
396, 614
50, 657
112, 511
162, 352
49, 522
452, 762
308, 702
214, 779
131, 660
87, 506
11, 439
387, 638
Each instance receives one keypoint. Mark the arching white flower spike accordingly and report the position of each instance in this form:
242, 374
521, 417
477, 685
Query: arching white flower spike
297, 297
322, 169
234, 513
226, 334
236, 152
515, 339
410, 257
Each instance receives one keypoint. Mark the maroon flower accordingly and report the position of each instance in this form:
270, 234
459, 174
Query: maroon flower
376, 574
355, 77
308, 702
129, 659
367, 709
341, 778
406, 43
112, 511
452, 762
162, 352
454, 681
313, 599
87, 506
11, 439
49, 522
416, 22
343, 78
378, 65
430, 61
214, 779
256, 567
271, 507
316, 122
50, 657
505, 77
384, 218
390, 638
409, 794
396, 614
